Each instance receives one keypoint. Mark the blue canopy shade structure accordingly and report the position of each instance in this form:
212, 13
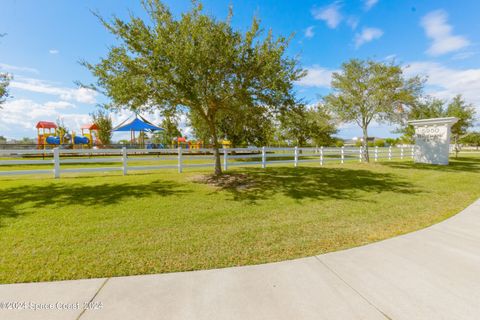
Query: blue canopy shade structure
137, 124
140, 124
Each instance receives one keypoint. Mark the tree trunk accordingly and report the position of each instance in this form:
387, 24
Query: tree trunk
300, 143
365, 155
216, 152
455, 139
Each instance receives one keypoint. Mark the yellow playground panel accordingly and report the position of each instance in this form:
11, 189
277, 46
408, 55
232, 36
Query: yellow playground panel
90, 131
226, 144
195, 145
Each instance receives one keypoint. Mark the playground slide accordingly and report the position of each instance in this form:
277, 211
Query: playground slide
76, 140
81, 140
53, 140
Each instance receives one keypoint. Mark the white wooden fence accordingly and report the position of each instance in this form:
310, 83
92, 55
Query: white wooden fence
65, 160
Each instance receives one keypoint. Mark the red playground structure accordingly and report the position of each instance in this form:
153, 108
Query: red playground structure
44, 130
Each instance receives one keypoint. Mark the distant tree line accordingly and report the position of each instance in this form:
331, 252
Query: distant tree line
471, 139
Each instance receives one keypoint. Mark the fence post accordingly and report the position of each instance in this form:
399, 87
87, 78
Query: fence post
56, 163
321, 156
264, 158
180, 160
225, 159
376, 153
413, 152
389, 152
360, 154
295, 162
401, 153
342, 155
124, 161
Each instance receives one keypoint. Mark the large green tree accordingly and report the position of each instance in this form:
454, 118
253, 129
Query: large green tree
250, 126
465, 113
194, 63
367, 90
302, 125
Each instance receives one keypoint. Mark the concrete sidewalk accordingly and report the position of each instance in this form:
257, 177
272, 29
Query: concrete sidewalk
430, 274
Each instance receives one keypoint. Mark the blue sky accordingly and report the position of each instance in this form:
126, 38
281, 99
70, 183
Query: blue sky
46, 39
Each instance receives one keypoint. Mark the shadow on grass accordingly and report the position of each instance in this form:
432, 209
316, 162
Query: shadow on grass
60, 194
313, 183
460, 164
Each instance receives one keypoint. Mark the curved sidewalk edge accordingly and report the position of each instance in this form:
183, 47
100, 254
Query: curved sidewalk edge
433, 273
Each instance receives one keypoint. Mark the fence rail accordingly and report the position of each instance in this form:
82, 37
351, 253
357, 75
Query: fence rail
125, 160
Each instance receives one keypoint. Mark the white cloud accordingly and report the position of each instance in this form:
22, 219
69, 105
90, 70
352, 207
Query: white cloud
309, 32
390, 57
443, 41
369, 4
184, 126
316, 77
352, 22
59, 105
53, 51
82, 95
464, 55
22, 115
367, 35
330, 14
444, 82
11, 68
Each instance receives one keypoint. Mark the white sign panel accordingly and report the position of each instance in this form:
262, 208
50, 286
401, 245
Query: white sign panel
432, 140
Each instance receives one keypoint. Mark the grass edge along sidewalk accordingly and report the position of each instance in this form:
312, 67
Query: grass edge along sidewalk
84, 226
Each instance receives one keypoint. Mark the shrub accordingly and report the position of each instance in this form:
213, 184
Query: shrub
379, 143
339, 143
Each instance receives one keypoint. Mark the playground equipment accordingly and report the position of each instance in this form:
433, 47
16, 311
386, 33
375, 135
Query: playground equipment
226, 144
195, 144
184, 143
180, 142
140, 124
49, 134
90, 132
44, 133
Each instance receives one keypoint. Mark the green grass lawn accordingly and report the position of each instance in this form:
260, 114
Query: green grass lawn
101, 225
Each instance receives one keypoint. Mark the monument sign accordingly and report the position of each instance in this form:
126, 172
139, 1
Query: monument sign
432, 139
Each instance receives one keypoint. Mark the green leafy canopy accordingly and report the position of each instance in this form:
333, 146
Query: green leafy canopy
367, 90
104, 123
194, 63
431, 107
4, 82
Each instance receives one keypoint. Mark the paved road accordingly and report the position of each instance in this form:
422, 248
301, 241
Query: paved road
430, 274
